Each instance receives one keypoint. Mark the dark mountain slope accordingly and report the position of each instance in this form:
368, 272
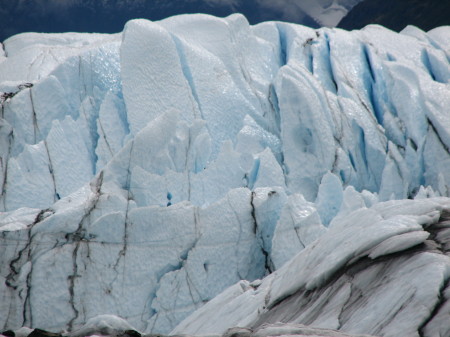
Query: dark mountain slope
397, 14
111, 15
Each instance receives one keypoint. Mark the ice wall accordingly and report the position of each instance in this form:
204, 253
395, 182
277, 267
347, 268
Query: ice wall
145, 172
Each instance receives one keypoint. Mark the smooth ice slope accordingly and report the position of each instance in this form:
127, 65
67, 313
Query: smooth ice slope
145, 172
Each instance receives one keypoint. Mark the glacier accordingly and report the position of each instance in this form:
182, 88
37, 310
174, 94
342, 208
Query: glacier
198, 174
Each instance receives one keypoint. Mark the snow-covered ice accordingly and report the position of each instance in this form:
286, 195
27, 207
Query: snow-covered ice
144, 173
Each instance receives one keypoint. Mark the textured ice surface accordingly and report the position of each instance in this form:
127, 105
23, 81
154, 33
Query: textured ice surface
349, 279
143, 173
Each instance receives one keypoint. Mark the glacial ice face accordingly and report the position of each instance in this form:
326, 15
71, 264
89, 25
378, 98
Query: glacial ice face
145, 172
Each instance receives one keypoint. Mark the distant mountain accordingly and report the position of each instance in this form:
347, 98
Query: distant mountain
109, 16
89, 16
397, 14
